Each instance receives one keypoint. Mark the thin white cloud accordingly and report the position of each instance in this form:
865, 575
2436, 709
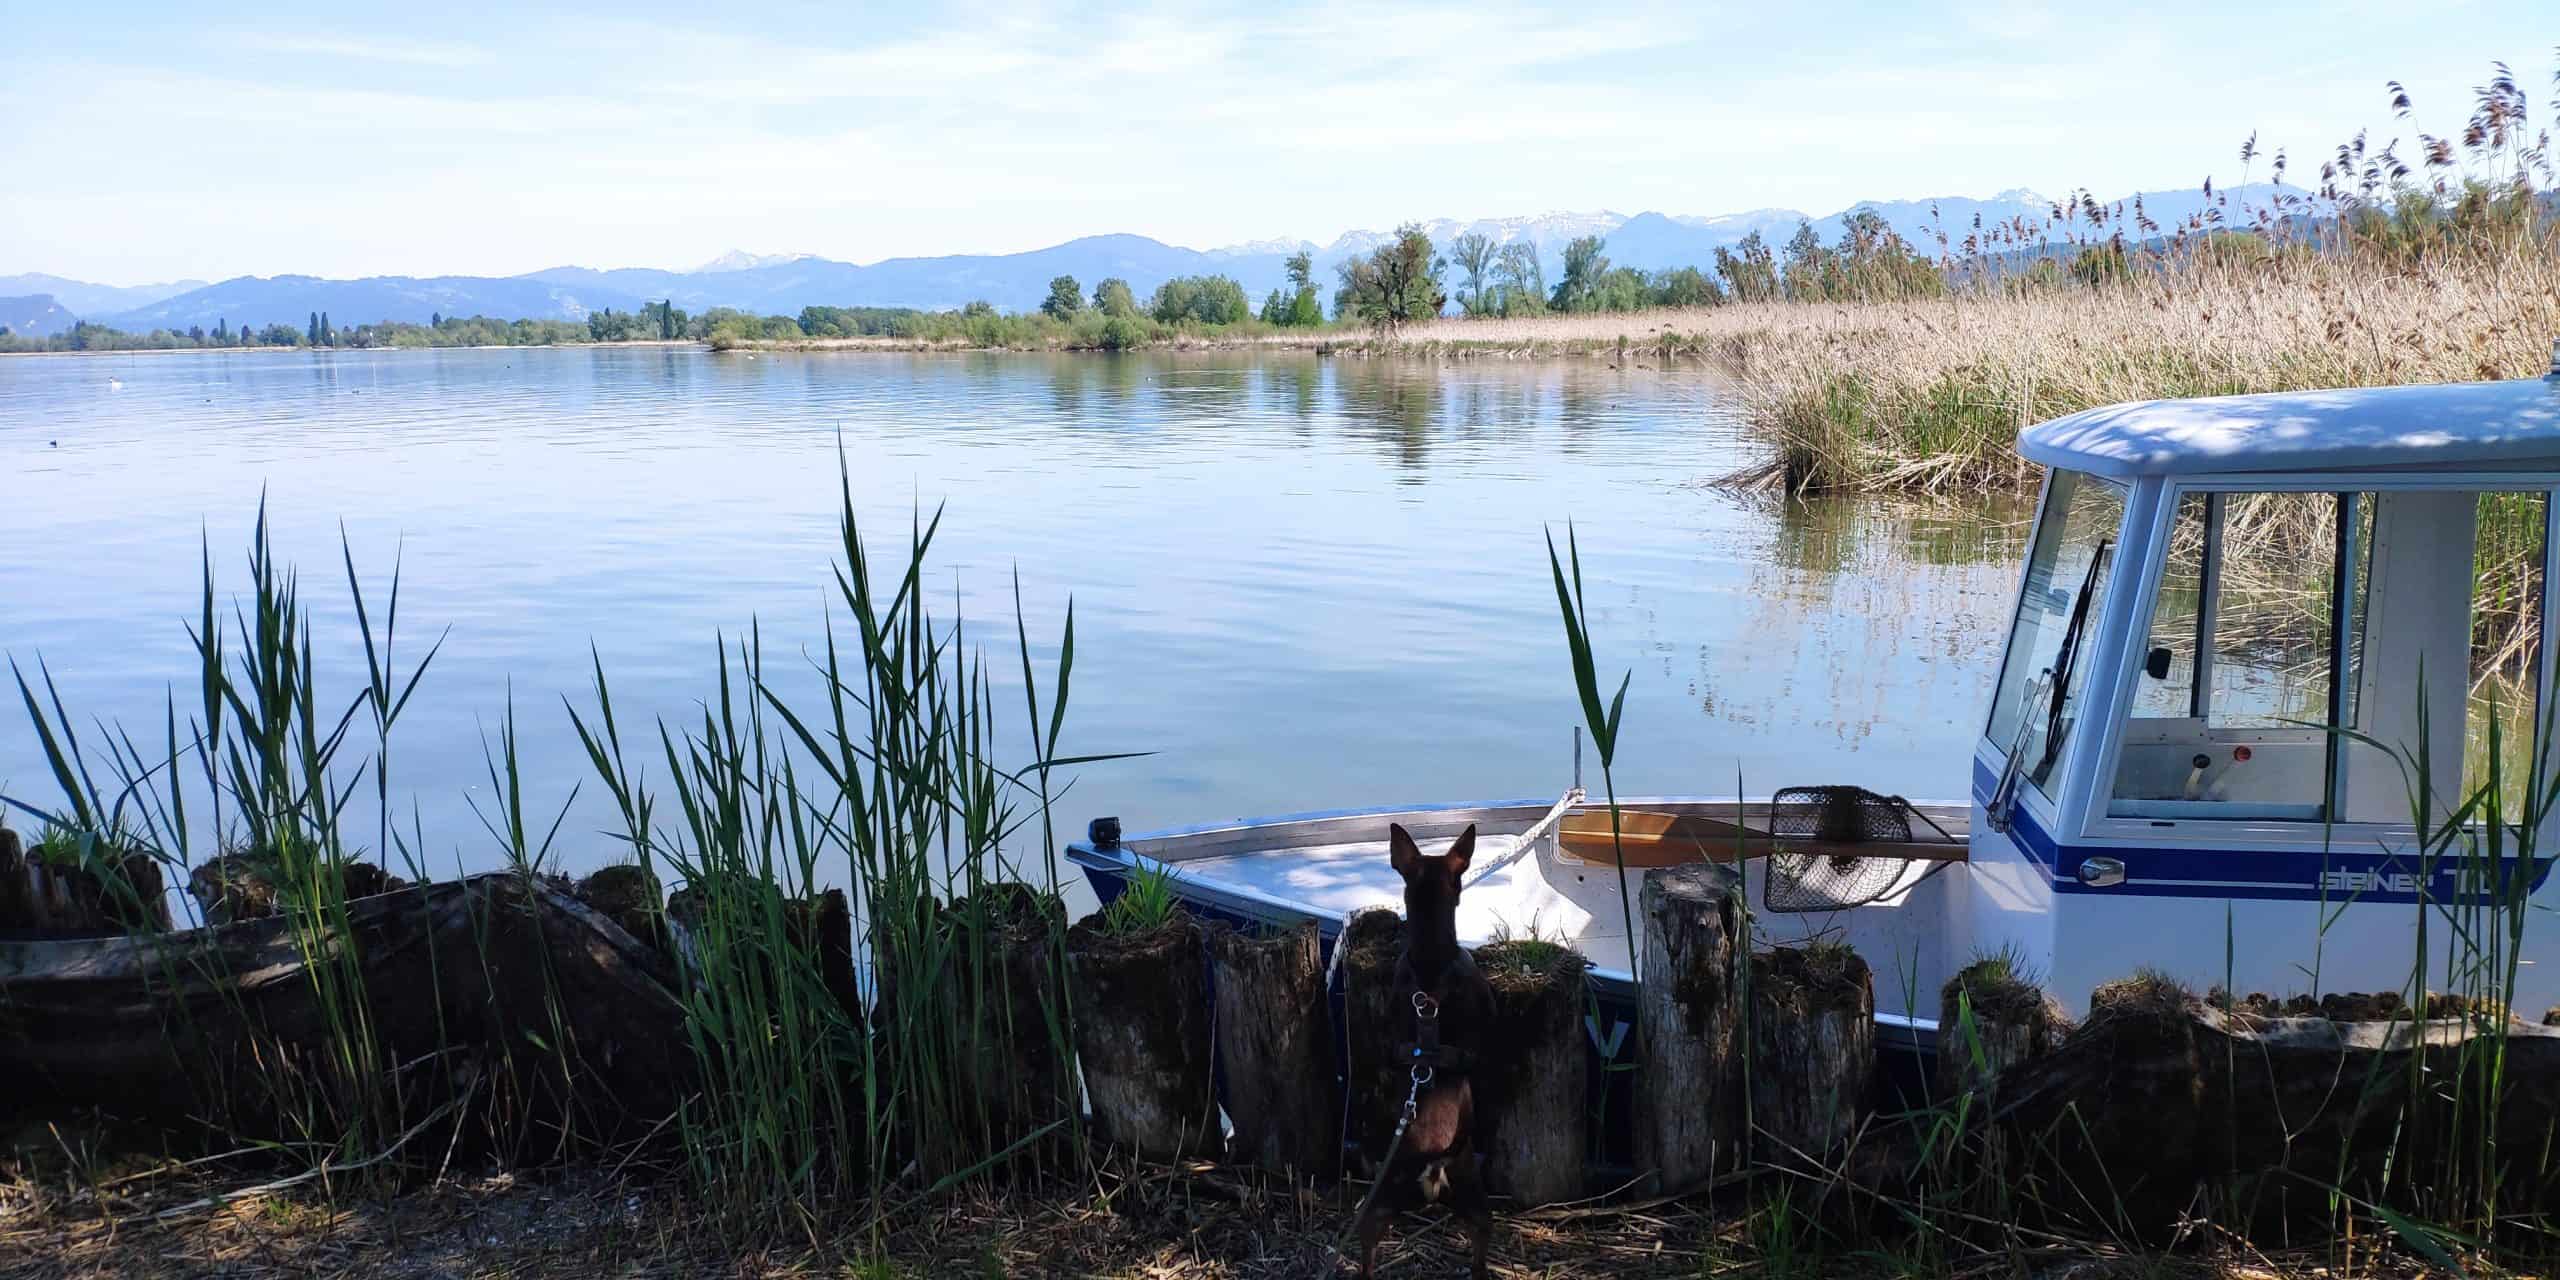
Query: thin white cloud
422, 53
625, 138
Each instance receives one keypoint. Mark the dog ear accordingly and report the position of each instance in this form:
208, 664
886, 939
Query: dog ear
1463, 852
1402, 851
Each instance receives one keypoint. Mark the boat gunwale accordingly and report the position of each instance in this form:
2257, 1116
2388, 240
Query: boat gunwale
1906, 1032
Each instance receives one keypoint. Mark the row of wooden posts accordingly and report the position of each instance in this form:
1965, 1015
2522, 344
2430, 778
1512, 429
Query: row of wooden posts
1254, 1015
1770, 1059
1171, 1025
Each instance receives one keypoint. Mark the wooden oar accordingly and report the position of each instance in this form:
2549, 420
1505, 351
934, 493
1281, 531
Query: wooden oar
1652, 839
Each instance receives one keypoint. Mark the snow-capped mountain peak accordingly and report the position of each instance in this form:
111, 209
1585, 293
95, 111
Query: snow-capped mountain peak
741, 260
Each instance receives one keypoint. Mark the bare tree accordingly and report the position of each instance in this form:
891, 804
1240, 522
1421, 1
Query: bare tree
1473, 253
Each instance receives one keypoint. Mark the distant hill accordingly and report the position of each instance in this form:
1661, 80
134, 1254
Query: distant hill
784, 283
89, 300
35, 316
290, 300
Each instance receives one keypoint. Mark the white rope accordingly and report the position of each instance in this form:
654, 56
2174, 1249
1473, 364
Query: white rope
1528, 840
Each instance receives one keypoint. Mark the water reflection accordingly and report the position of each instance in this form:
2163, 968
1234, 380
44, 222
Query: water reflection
1301, 582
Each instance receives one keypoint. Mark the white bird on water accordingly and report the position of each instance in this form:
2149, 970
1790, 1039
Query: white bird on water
115, 384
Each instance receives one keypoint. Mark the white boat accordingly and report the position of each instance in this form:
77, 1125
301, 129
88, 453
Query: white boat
2187, 764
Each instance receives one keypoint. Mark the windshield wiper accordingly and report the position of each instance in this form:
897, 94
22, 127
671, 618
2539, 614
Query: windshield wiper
2065, 657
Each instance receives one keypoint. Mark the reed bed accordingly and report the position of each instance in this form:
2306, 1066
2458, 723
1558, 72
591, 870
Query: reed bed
2437, 264
873, 821
1930, 396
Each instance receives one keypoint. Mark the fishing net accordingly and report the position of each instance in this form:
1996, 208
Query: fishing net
1801, 881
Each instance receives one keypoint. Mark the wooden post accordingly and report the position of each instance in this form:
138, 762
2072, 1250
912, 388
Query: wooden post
1274, 1033
1020, 1065
626, 894
2157, 1094
496, 970
1377, 1028
1687, 1120
1532, 1094
51, 896
1142, 1035
1989, 1019
1001, 1025
1813, 1050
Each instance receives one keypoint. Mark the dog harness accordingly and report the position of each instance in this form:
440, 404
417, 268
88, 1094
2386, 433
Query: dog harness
1426, 1060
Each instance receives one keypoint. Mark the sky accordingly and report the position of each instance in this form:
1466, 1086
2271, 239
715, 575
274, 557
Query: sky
141, 142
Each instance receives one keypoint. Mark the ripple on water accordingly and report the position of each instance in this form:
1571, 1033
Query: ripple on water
1301, 583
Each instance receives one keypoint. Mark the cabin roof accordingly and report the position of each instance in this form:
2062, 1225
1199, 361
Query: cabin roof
2457, 425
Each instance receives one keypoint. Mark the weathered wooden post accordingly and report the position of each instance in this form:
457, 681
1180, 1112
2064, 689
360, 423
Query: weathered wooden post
1687, 1120
1142, 1034
628, 895
63, 892
1532, 1090
1274, 1035
1377, 1023
1989, 1019
1813, 1050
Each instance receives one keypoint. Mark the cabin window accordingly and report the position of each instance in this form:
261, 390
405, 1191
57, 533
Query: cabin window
2279, 615
2050, 642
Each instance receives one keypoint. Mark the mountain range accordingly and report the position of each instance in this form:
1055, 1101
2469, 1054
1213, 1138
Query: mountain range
36, 315
784, 283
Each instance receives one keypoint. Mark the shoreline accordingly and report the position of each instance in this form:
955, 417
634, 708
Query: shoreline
1442, 339
265, 350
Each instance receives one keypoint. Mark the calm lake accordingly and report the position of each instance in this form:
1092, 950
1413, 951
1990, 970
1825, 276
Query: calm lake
1300, 583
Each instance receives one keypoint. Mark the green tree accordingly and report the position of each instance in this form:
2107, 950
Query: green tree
1397, 284
1583, 266
328, 336
1685, 287
1808, 270
1474, 254
314, 332
1066, 298
1302, 270
1123, 330
1112, 298
1620, 289
1520, 280
1207, 300
1304, 310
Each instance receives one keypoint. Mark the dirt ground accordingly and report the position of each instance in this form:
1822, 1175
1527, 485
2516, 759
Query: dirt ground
1198, 1223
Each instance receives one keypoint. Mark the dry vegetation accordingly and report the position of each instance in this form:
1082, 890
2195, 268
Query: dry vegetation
1931, 395
1191, 1223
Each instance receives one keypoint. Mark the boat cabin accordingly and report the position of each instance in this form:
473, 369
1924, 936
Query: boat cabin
2266, 720
2260, 645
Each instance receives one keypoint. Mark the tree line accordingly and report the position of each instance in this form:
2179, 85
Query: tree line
1405, 280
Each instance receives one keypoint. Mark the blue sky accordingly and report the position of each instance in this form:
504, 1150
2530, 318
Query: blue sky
145, 141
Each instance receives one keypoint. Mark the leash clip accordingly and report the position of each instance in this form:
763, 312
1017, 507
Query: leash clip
1425, 1006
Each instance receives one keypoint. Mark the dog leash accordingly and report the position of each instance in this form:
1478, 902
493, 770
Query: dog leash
1426, 1056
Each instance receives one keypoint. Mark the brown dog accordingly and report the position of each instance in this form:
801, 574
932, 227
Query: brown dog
1436, 1160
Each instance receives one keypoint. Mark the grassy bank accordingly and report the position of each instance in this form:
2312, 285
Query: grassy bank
1688, 332
1931, 395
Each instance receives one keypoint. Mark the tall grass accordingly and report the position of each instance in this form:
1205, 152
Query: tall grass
886, 783
2456, 1162
278, 769
2442, 269
891, 775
